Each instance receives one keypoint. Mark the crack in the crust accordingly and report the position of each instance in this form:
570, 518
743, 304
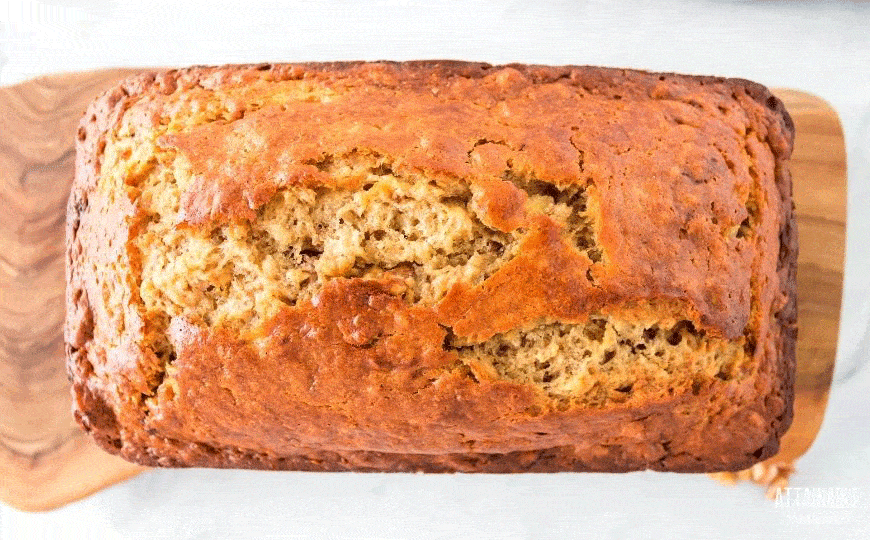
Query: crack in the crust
747, 226
167, 361
451, 341
581, 154
482, 141
322, 163
732, 167
502, 351
578, 226
164, 349
328, 160
229, 391
449, 336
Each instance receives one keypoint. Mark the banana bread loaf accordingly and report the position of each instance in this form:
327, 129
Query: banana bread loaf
433, 266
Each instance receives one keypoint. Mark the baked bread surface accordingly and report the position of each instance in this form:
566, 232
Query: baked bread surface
436, 266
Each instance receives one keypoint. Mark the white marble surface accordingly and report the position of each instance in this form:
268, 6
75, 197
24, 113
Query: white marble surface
821, 47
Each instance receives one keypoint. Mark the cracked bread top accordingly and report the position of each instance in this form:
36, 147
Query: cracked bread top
432, 258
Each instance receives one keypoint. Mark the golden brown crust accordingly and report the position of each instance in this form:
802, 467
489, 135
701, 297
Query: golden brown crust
381, 391
438, 125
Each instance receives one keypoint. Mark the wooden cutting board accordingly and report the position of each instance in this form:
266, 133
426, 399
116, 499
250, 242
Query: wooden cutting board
46, 462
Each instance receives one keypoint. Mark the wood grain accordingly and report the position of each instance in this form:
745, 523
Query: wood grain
46, 462
819, 172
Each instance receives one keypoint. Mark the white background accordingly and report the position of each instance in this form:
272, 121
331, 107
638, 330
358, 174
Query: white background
820, 47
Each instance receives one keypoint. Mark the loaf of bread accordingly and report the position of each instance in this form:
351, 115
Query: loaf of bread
433, 266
